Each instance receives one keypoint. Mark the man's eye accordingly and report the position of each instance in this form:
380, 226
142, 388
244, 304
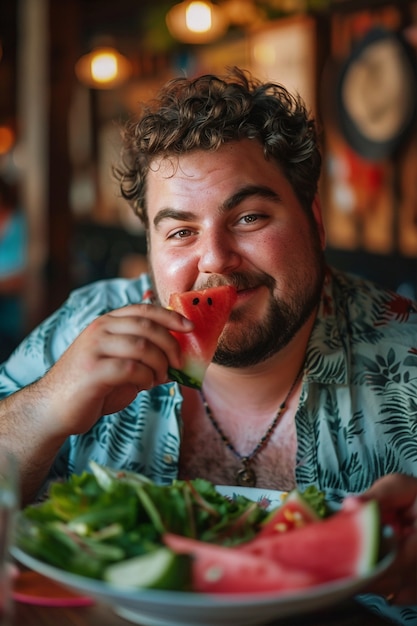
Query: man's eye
180, 234
249, 219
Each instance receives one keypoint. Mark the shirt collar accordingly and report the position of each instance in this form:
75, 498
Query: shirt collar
326, 358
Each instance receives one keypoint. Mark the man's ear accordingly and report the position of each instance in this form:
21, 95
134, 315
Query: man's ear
318, 218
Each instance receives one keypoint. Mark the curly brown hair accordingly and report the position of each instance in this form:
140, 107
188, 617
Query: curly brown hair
205, 112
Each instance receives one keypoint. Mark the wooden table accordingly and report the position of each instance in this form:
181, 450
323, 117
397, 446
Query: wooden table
346, 614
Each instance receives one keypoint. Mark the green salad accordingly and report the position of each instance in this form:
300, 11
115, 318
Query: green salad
93, 522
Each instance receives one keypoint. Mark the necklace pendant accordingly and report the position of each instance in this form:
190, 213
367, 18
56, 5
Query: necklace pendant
246, 477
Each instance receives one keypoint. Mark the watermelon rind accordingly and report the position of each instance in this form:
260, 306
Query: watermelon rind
181, 377
368, 518
160, 569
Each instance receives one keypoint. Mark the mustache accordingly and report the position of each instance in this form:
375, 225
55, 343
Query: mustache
239, 281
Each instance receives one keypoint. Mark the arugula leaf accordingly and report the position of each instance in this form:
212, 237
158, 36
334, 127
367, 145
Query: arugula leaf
317, 500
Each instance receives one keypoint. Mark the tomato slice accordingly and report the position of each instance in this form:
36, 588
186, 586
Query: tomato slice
294, 513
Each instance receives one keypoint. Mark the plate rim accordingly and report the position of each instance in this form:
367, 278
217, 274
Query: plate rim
179, 598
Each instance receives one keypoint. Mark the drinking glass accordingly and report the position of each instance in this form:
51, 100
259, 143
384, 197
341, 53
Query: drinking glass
8, 507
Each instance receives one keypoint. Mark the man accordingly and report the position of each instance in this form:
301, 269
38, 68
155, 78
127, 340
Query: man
314, 378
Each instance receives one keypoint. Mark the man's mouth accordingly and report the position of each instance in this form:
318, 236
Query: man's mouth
248, 293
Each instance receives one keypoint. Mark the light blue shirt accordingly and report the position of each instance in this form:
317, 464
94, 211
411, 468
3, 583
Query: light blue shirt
357, 416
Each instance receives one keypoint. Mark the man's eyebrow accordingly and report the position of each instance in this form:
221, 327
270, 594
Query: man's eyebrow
174, 214
249, 191
234, 200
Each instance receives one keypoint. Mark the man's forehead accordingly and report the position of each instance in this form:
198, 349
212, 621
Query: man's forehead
181, 166
184, 165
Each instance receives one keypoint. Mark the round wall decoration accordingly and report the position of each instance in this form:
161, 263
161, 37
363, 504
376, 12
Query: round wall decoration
377, 94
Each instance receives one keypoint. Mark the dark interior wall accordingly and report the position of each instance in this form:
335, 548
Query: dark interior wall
392, 271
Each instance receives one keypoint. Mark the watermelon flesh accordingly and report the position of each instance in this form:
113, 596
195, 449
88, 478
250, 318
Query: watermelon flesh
344, 545
209, 309
217, 569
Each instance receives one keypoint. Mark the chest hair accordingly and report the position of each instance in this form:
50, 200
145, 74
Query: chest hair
205, 455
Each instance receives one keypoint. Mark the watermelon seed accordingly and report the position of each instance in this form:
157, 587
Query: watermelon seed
209, 301
281, 527
196, 300
213, 573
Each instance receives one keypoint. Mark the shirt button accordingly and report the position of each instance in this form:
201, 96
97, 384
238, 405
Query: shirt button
168, 458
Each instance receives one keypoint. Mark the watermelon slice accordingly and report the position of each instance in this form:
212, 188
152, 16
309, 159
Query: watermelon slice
218, 569
344, 545
209, 310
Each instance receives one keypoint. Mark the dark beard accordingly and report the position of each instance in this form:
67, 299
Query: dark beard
263, 339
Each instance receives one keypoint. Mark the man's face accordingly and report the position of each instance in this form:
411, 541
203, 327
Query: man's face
231, 217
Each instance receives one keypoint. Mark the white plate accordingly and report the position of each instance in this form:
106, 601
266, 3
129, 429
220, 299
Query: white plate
268, 498
152, 607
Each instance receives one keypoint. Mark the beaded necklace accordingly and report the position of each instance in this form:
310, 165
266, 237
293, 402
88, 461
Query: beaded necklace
246, 476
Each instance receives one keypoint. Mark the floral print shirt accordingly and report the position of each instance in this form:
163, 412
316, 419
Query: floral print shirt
357, 416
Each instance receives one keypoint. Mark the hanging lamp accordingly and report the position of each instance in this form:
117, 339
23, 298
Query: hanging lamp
103, 68
196, 21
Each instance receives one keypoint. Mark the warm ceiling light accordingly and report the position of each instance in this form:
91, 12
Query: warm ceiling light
103, 68
196, 21
198, 17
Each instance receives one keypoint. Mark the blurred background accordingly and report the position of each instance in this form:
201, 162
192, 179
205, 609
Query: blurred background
71, 70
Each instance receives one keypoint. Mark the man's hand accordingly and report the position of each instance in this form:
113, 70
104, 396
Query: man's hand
397, 498
115, 357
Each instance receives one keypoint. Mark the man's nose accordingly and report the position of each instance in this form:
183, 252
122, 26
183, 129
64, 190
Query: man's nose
218, 254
